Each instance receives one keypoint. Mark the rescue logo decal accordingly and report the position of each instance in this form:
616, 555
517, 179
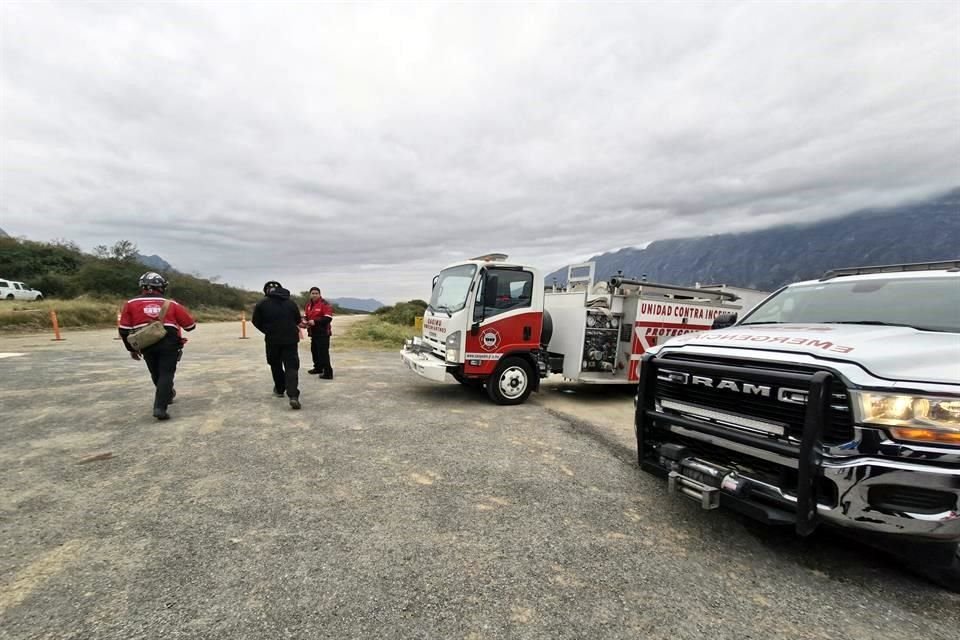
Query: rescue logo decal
152, 310
490, 339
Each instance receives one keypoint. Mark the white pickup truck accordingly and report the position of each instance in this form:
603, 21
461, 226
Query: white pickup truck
835, 401
12, 290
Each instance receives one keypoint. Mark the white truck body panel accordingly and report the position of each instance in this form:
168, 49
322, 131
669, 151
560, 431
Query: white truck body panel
649, 315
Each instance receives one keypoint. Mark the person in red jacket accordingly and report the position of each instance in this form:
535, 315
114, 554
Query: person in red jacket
162, 357
318, 315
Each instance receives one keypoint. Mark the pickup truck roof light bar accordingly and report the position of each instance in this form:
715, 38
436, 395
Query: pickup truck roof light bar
948, 265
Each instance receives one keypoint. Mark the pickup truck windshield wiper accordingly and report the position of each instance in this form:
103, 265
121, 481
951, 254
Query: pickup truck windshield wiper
445, 310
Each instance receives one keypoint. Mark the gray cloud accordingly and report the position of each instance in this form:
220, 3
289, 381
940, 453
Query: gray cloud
362, 147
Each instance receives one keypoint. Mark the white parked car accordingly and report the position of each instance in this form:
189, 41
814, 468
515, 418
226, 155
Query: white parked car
10, 290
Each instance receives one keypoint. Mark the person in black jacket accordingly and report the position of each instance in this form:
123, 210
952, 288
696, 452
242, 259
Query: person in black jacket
278, 318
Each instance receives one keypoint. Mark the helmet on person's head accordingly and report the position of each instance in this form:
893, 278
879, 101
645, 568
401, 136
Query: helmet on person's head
153, 281
270, 285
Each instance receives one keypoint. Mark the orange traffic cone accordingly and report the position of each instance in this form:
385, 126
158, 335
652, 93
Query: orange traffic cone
56, 325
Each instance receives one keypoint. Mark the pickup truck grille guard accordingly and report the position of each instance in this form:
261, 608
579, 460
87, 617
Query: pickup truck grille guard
809, 454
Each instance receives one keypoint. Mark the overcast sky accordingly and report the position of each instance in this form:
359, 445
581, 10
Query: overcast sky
362, 147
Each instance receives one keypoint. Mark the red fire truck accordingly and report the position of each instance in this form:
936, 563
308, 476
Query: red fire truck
492, 323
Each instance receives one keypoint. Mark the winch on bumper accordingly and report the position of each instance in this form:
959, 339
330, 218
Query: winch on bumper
795, 477
420, 358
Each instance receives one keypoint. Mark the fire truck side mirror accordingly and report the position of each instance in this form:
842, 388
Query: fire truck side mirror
724, 320
435, 280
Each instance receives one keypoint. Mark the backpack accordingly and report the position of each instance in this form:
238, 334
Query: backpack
150, 334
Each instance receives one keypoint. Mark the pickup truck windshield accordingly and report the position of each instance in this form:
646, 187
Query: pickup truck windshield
928, 304
450, 293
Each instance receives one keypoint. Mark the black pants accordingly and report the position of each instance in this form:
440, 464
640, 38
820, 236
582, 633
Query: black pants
320, 350
284, 361
162, 363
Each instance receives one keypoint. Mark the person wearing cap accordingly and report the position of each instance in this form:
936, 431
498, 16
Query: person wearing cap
277, 317
318, 314
162, 357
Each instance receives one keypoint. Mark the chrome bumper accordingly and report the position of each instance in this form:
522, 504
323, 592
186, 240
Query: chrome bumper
855, 477
706, 482
423, 364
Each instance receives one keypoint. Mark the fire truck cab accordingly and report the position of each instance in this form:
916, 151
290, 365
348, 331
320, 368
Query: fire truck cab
491, 323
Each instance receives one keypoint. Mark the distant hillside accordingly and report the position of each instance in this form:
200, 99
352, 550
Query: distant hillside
4, 234
154, 262
62, 270
358, 304
768, 259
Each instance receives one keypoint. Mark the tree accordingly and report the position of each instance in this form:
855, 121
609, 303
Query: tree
123, 250
63, 243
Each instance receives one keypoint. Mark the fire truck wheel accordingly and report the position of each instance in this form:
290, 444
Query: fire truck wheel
510, 383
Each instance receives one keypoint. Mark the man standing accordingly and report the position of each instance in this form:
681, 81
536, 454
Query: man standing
161, 357
278, 318
319, 315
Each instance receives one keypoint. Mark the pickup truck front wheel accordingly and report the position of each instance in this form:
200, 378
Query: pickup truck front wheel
937, 562
949, 575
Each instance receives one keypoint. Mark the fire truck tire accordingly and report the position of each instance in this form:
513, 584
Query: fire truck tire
512, 382
473, 383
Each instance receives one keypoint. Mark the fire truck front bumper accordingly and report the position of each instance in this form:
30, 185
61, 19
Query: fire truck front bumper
423, 364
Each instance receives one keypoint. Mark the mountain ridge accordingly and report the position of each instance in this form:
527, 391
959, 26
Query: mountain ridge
358, 304
767, 259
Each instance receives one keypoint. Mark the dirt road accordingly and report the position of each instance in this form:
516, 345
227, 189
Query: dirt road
388, 508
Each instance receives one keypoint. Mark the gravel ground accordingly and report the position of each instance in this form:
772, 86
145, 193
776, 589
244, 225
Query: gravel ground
388, 508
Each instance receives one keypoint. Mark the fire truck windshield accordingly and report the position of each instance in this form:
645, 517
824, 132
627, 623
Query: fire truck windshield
927, 304
453, 284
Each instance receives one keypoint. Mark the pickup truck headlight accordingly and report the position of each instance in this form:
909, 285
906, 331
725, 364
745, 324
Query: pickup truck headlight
919, 418
453, 346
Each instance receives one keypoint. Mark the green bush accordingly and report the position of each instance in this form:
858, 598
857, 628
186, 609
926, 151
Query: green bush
109, 277
56, 285
402, 313
60, 269
25, 260
377, 333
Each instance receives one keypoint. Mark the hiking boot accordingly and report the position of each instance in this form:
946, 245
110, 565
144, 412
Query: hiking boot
314, 371
161, 414
295, 403
277, 393
328, 375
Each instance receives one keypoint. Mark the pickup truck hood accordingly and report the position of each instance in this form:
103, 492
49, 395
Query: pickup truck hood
893, 353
